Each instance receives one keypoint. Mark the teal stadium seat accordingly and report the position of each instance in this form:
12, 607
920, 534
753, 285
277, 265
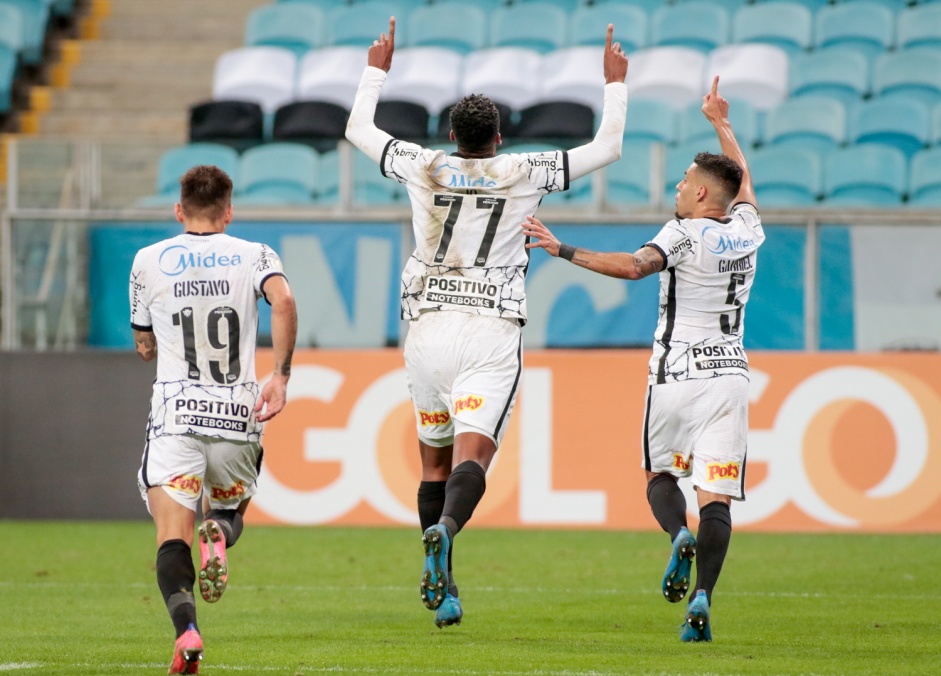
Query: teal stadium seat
807, 122
693, 125
177, 161
277, 174
62, 8
787, 25
649, 6
730, 6
628, 180
699, 25
920, 27
894, 5
813, 5
867, 175
487, 6
895, 121
589, 25
11, 42
565, 5
868, 27
34, 15
650, 121
925, 180
912, 72
327, 192
459, 27
358, 25
537, 26
370, 187
840, 73
936, 125
786, 177
294, 26
11, 27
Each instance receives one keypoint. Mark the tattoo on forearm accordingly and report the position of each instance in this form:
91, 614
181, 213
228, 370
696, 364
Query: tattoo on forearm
284, 368
148, 341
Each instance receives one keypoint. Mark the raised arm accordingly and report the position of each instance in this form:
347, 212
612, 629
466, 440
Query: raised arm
716, 110
605, 148
645, 261
361, 129
283, 337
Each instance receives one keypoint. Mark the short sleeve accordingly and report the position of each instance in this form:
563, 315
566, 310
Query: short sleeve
674, 243
403, 161
266, 264
548, 171
138, 291
748, 214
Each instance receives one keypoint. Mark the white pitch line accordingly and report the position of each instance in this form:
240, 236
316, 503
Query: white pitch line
17, 666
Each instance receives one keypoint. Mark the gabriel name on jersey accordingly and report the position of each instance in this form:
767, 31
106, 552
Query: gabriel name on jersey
199, 295
704, 286
469, 254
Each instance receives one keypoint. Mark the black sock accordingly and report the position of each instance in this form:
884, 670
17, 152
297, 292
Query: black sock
175, 577
430, 506
667, 503
463, 492
231, 523
712, 543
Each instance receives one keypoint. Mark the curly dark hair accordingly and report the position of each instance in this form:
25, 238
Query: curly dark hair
205, 192
724, 170
475, 122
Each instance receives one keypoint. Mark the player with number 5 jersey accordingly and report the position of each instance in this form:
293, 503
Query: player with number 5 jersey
463, 288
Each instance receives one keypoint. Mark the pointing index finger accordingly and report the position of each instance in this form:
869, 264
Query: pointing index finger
609, 37
392, 29
715, 86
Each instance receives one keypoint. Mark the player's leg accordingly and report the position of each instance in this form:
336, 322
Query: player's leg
436, 462
713, 537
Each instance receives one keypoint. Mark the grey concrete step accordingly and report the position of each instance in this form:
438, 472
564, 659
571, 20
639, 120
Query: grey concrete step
173, 126
131, 100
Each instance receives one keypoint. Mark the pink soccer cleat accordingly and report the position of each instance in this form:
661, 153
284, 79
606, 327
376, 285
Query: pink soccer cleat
187, 653
213, 572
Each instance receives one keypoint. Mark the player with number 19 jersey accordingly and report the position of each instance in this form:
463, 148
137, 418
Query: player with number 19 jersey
199, 294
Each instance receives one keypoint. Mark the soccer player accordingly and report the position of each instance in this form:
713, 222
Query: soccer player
195, 296
463, 289
696, 418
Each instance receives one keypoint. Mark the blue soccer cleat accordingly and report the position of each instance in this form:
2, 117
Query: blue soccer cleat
449, 612
697, 627
434, 579
676, 578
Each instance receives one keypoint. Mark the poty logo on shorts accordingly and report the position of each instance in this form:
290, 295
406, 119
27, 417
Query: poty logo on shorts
679, 462
718, 471
468, 403
177, 259
235, 491
186, 484
434, 417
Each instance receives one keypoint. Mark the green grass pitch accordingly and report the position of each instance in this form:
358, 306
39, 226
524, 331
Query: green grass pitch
82, 598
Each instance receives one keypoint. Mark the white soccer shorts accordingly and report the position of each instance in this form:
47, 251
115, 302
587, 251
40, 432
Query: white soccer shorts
699, 428
463, 374
187, 466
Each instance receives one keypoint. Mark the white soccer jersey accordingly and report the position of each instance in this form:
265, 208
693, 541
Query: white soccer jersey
199, 295
704, 286
470, 255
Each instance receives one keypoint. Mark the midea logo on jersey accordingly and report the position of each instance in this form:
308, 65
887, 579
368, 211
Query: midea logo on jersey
719, 243
453, 177
177, 259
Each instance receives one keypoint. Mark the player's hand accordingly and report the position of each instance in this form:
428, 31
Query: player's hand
615, 60
540, 236
380, 53
273, 397
714, 106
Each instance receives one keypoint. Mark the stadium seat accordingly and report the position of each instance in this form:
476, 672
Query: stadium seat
293, 26
865, 26
807, 122
7, 76
11, 43
370, 187
895, 121
650, 121
812, 5
573, 74
693, 125
840, 72
331, 74
677, 161
261, 74
240, 124
177, 161
277, 173
556, 120
936, 125
925, 180
328, 186
787, 25
784, 176
403, 119
428, 76
565, 5
671, 74
864, 175
913, 72
11, 27
730, 6
590, 24
628, 180
62, 8
359, 24
443, 128
698, 25
487, 6
34, 19
895, 5
509, 75
755, 73
649, 6
317, 123
459, 27
920, 27
537, 26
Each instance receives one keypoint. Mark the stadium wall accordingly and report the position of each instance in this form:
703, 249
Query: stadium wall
838, 442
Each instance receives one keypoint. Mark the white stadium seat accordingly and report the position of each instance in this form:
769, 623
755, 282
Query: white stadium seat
753, 72
506, 74
425, 75
264, 75
331, 74
574, 74
670, 74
